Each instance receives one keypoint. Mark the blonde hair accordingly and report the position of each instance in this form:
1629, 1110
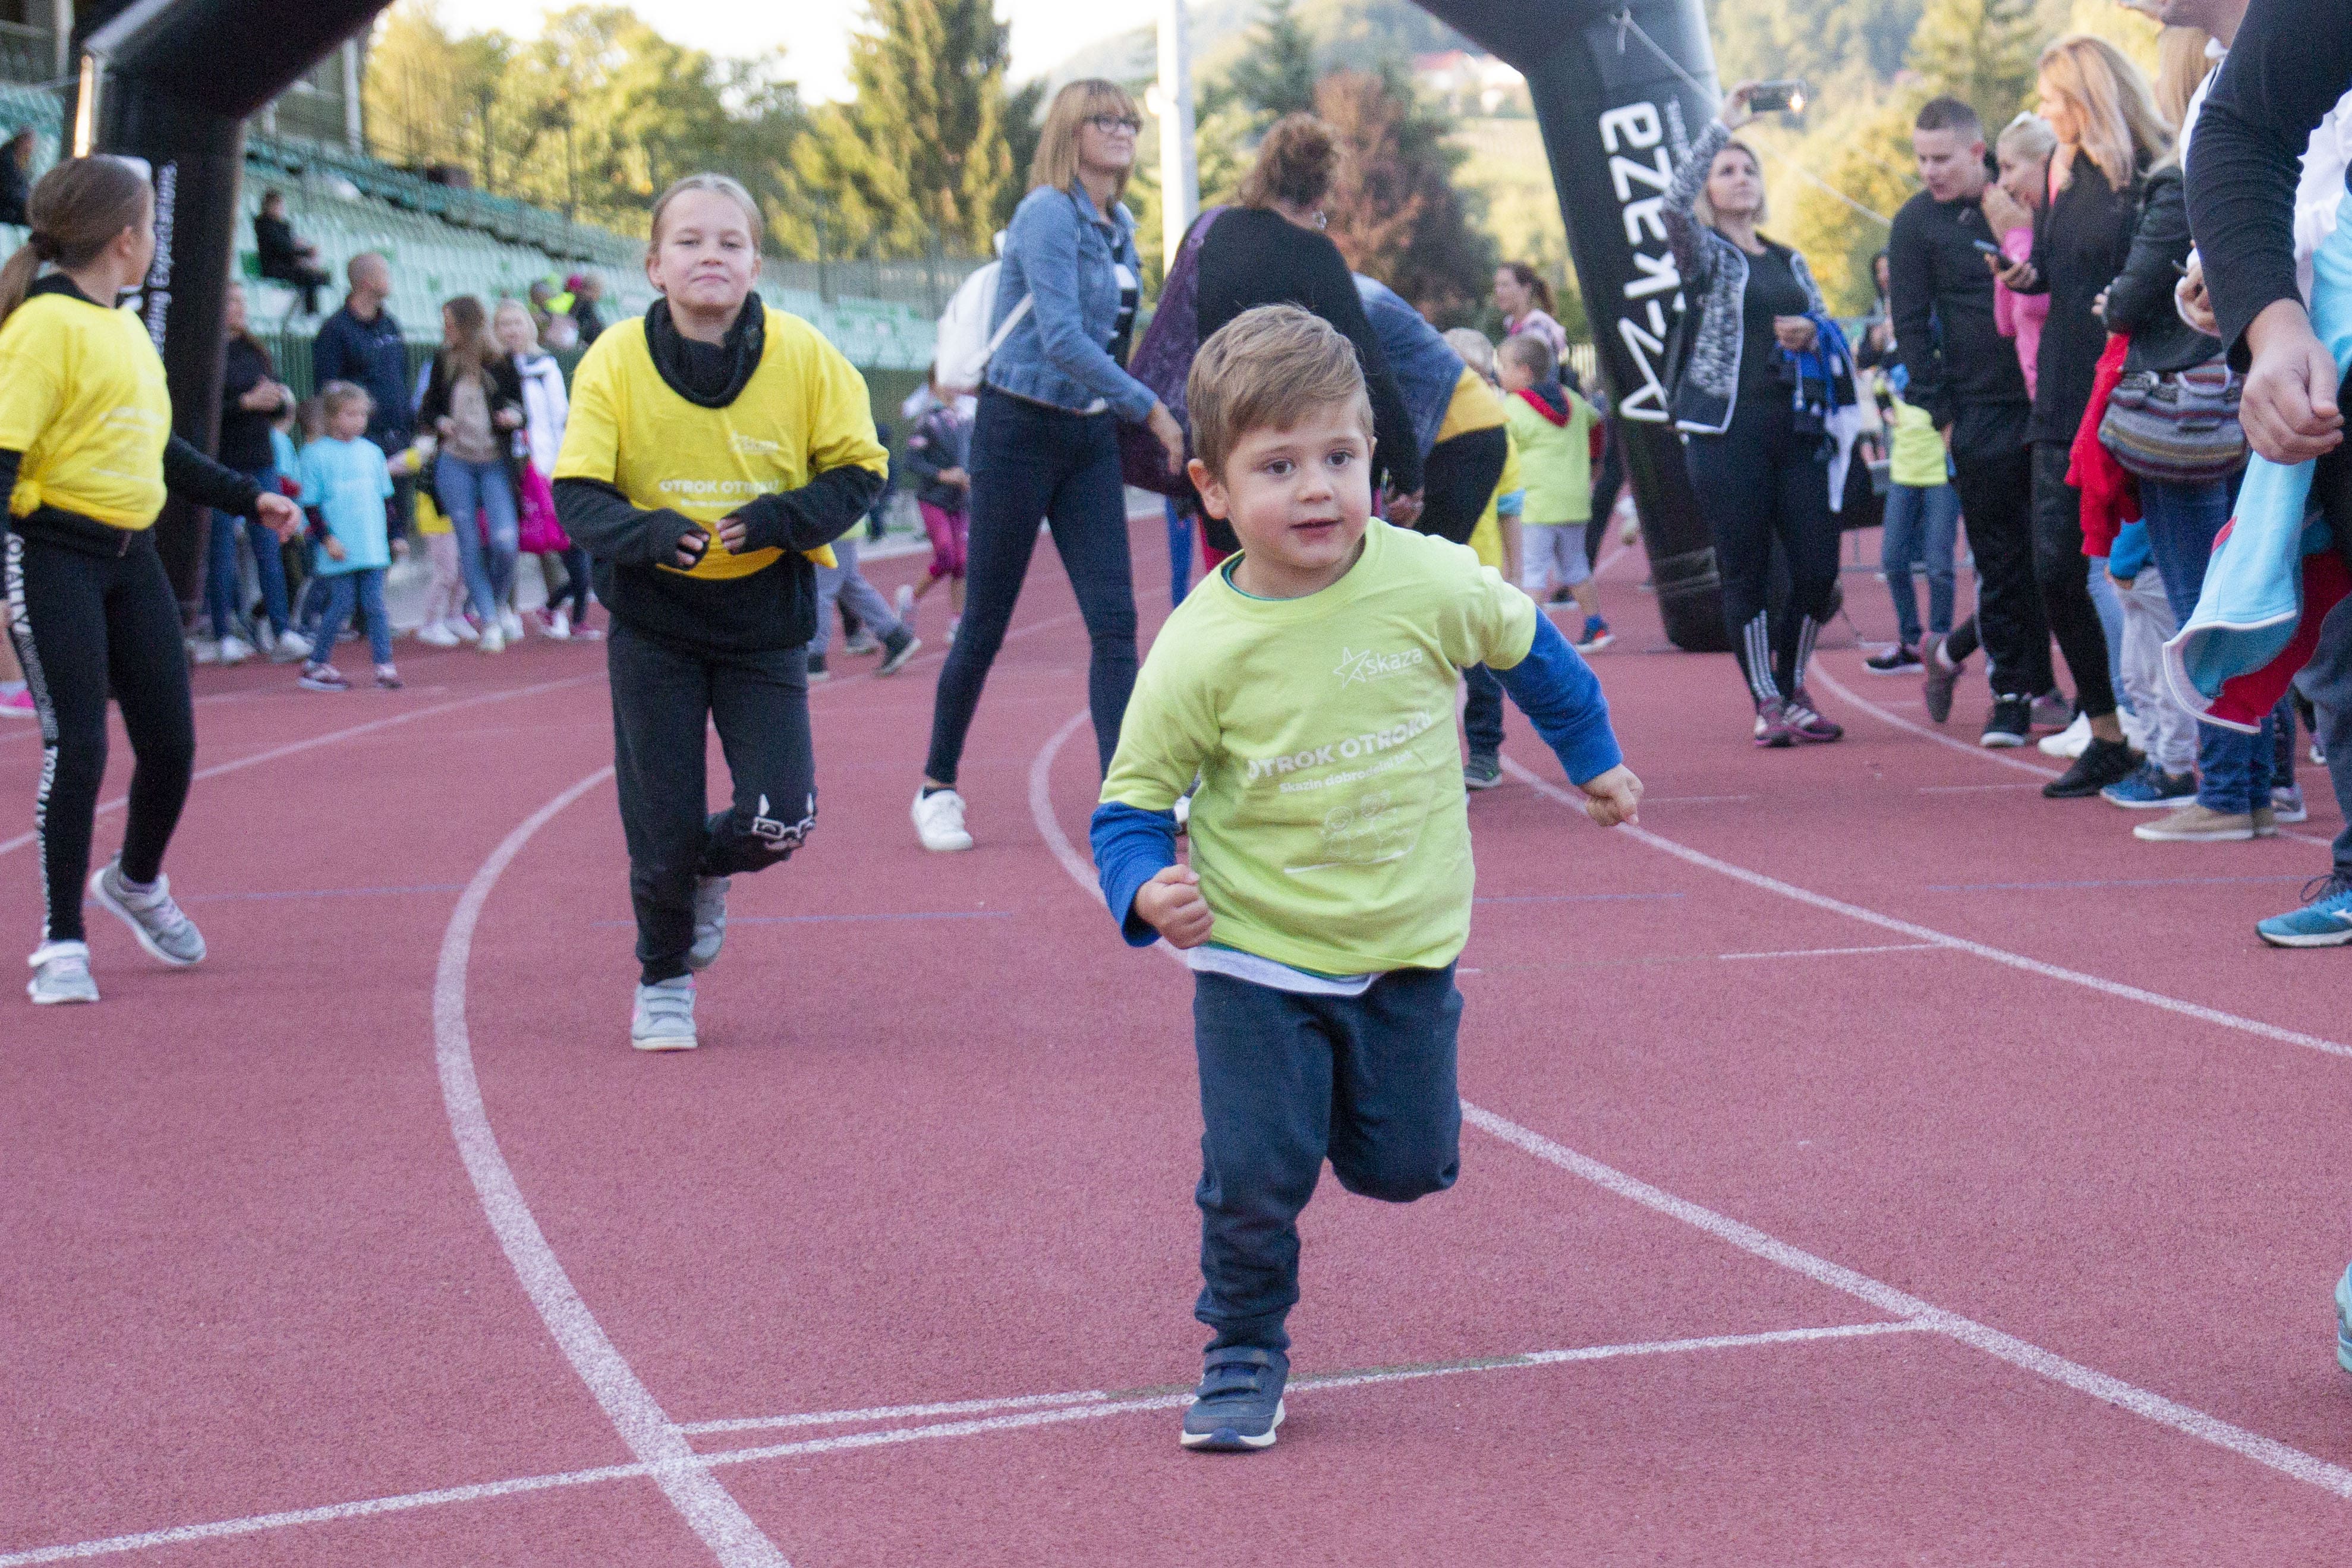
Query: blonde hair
74, 213
726, 185
1296, 164
1530, 353
2122, 132
1705, 209
1056, 161
520, 308
2180, 65
338, 396
1265, 370
1475, 348
2026, 138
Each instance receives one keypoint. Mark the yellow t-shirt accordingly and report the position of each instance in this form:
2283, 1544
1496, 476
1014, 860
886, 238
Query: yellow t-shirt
1475, 406
82, 398
805, 411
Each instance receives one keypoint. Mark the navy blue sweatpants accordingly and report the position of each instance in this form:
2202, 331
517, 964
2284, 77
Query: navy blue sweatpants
1286, 1081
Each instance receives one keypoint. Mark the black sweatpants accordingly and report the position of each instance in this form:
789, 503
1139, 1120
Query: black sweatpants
1458, 480
2063, 573
83, 623
664, 695
1996, 491
1758, 481
1288, 1080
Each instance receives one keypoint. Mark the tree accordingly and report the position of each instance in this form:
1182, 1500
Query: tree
1395, 212
1276, 75
921, 153
1980, 51
1822, 41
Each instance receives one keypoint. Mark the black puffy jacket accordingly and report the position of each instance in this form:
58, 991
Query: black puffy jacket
2140, 302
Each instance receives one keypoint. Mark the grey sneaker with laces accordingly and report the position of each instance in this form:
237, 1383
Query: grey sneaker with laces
709, 922
60, 973
664, 1019
165, 932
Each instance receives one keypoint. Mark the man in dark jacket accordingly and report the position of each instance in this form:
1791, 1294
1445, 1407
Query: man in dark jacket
362, 344
1965, 373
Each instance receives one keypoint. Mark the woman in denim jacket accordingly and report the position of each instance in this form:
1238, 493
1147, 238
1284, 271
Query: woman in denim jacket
1045, 441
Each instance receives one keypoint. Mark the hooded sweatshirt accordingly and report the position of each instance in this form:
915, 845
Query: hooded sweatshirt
1552, 428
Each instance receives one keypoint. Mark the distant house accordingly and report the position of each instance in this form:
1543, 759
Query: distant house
1465, 81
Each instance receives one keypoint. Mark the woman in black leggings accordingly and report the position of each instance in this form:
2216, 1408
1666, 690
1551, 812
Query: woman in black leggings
87, 452
1760, 476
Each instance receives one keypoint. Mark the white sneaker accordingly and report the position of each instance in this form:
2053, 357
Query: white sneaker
292, 648
234, 650
204, 650
60, 973
493, 640
938, 821
954, 622
436, 634
558, 625
510, 624
2070, 742
664, 1017
463, 628
165, 932
709, 922
903, 605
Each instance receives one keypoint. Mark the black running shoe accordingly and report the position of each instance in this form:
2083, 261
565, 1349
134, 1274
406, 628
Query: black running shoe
2009, 724
1896, 661
2103, 762
1940, 680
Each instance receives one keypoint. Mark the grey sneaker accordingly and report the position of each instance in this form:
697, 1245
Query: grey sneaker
901, 646
2053, 710
150, 914
664, 1019
60, 973
1482, 772
709, 922
1239, 1403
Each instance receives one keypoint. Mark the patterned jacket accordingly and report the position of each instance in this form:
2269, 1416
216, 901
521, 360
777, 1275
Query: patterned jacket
1715, 275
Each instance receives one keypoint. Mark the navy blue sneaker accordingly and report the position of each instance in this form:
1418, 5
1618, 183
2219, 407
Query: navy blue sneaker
1239, 1403
2150, 789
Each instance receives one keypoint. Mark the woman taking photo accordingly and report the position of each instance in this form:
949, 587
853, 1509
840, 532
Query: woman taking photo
251, 399
1045, 441
1525, 300
473, 400
87, 455
545, 408
2096, 103
715, 450
1759, 475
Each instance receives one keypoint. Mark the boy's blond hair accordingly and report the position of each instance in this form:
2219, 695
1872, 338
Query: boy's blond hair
339, 394
1267, 368
1531, 354
1475, 349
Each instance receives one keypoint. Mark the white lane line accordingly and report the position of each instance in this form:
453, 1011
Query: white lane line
2290, 1461
292, 748
705, 1505
1107, 1406
2017, 1353
1835, 952
1932, 936
893, 1412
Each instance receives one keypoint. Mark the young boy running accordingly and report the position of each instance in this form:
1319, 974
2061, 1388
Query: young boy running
1311, 684
1553, 429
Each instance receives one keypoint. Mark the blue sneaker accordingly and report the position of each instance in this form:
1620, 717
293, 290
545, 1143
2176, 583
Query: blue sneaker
1239, 1403
2150, 789
2324, 920
2343, 1321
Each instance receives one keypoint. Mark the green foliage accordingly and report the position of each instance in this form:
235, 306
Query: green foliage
1275, 73
1397, 213
1982, 52
1825, 42
1863, 149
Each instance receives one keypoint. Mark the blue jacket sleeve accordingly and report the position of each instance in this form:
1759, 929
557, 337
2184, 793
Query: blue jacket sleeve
1558, 693
2128, 558
1132, 846
1046, 236
328, 355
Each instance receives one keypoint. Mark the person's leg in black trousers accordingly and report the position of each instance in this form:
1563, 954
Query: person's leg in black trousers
758, 704
661, 699
1722, 471
1800, 489
1996, 500
1605, 486
1088, 515
148, 669
2059, 565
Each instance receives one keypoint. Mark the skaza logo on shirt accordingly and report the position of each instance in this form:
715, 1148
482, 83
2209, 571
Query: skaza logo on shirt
1368, 666
751, 445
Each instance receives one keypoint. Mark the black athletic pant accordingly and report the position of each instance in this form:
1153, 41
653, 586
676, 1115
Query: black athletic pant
2063, 575
1458, 480
1605, 486
1996, 494
82, 624
1757, 481
663, 696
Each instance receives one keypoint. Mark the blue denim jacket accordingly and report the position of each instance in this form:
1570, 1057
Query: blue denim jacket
1426, 368
1061, 253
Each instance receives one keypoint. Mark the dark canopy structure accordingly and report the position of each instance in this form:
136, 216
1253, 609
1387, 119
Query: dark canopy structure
171, 82
1617, 90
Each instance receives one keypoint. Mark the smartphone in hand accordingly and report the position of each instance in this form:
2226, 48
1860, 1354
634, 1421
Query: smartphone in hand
1769, 95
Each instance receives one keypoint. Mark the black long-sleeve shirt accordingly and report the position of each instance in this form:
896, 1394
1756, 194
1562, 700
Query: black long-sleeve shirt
2140, 300
1255, 256
1942, 296
2291, 61
2081, 241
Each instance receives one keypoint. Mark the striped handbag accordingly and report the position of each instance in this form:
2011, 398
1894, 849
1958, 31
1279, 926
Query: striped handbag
2178, 426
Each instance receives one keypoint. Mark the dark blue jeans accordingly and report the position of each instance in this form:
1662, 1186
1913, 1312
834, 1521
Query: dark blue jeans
1287, 1080
221, 594
367, 588
1179, 555
1923, 527
2233, 770
1482, 711
1029, 461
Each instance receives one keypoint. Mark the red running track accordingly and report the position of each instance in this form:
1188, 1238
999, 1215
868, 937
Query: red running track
1870, 1162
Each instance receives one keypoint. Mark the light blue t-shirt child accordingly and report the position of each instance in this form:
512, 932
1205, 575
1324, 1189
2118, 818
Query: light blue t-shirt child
347, 482
282, 456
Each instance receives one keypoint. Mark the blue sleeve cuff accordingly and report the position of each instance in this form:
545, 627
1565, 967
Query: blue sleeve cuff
2128, 558
1132, 846
1561, 696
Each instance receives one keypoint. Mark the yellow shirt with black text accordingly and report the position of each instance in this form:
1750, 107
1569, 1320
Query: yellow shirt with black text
83, 396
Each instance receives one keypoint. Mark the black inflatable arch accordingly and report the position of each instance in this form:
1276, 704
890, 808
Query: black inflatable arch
171, 82
1616, 118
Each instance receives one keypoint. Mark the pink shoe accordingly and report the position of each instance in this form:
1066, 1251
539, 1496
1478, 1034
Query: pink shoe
16, 704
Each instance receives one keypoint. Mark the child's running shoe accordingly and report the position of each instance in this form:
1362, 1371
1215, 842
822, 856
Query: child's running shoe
1482, 771
2150, 789
1238, 1406
387, 677
1772, 724
664, 1017
1896, 661
2287, 804
2325, 919
60, 973
294, 648
897, 649
1941, 676
1805, 721
2344, 1321
863, 643
709, 922
165, 932
1597, 636
2009, 725
2053, 710
436, 634
939, 820
323, 677
462, 627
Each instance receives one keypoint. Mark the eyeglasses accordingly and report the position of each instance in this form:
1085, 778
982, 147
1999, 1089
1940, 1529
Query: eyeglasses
1112, 124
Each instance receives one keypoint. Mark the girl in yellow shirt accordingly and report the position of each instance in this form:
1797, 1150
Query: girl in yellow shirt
715, 450
87, 455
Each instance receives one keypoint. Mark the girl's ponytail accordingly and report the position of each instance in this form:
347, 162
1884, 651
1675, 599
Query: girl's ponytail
75, 212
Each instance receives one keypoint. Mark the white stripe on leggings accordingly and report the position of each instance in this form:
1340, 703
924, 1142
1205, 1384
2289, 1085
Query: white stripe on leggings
36, 683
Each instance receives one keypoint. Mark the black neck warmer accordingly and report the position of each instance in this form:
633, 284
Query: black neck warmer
709, 376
